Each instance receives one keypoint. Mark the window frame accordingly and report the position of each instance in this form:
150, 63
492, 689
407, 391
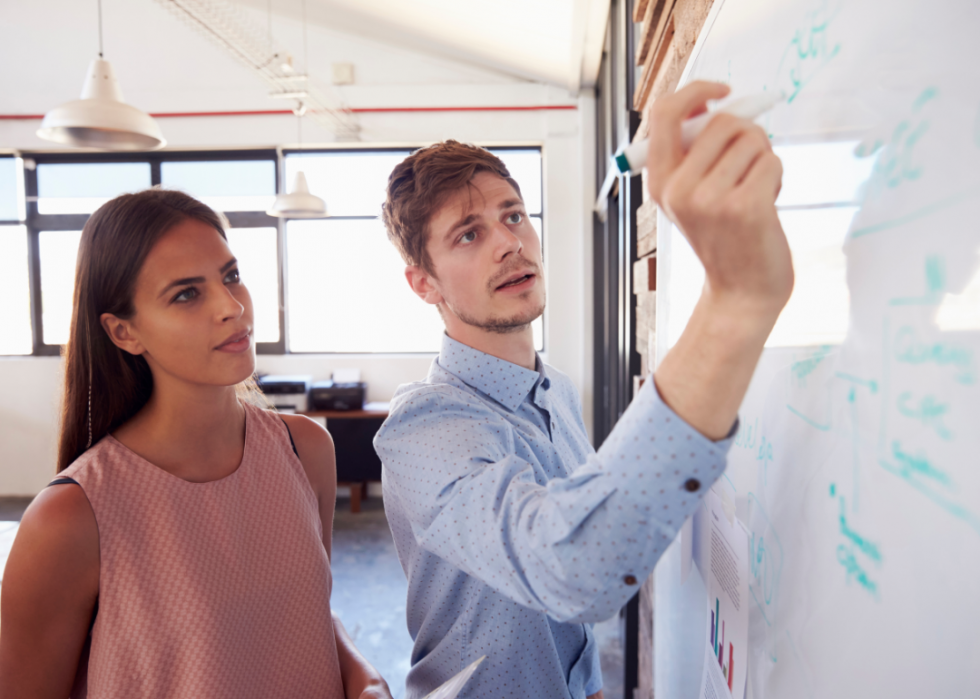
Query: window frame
37, 222
30, 267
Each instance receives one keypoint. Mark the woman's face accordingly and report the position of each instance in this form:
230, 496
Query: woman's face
193, 315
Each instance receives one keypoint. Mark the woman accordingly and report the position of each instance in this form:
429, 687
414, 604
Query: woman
184, 549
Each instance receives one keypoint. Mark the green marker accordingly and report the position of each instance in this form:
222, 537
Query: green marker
633, 158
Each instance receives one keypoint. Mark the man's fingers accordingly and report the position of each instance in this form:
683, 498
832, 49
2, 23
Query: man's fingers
735, 162
711, 145
764, 176
666, 115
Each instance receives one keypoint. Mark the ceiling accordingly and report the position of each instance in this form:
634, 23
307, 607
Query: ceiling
558, 42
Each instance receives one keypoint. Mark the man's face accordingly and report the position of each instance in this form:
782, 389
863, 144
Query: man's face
487, 259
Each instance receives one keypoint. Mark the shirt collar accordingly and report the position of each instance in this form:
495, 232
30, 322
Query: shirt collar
506, 383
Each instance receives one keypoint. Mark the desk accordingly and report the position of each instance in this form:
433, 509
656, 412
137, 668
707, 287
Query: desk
353, 436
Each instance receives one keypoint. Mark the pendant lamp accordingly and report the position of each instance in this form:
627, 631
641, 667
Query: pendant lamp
299, 203
101, 119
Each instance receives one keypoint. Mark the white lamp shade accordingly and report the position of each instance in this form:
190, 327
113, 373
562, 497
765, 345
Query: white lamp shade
101, 119
299, 203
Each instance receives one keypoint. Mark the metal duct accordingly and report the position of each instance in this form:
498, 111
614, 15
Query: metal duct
227, 27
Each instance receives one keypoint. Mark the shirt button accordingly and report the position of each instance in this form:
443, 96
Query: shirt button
630, 580
692, 485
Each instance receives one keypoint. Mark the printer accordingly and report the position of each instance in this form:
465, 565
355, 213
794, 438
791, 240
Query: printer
289, 394
338, 395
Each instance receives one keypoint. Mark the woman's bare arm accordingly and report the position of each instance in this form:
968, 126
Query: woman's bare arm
49, 591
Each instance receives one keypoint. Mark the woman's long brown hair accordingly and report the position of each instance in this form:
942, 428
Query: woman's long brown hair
115, 242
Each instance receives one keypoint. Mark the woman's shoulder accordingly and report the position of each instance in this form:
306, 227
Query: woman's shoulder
60, 529
314, 446
91, 460
308, 434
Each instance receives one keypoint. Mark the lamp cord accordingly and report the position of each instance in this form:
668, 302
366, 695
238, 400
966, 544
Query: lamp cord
100, 29
306, 69
306, 59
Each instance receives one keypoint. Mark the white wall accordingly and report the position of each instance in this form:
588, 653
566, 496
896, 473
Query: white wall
29, 386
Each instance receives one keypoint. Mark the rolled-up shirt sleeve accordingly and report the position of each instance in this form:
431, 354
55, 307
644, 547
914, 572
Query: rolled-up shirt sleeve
577, 547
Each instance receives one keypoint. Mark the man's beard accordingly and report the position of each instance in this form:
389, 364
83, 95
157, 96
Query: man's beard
516, 323
501, 326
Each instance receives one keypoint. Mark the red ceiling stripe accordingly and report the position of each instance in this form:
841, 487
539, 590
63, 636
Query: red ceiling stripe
356, 110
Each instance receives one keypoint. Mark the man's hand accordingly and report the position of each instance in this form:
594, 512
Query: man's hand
721, 194
379, 691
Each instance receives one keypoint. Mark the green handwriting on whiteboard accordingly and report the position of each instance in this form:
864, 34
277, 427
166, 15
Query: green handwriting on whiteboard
846, 557
921, 474
853, 544
927, 410
746, 437
935, 285
804, 367
765, 563
866, 547
911, 350
898, 162
912, 465
808, 52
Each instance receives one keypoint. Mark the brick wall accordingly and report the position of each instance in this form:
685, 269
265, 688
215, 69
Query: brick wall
670, 30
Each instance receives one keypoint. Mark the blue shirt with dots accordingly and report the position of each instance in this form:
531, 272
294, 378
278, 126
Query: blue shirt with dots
514, 533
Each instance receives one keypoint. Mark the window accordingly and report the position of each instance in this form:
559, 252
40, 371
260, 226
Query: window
81, 188
820, 194
342, 277
15, 311
345, 285
816, 211
58, 252
224, 185
70, 188
257, 250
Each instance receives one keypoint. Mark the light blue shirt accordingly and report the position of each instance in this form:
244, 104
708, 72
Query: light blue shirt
514, 533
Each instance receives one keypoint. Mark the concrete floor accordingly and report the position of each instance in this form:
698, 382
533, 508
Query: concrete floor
369, 590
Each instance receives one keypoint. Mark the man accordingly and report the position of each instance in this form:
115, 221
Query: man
513, 532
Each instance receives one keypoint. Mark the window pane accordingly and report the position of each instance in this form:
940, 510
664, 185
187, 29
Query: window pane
59, 250
525, 167
258, 261
15, 311
821, 173
11, 190
352, 184
81, 188
818, 309
347, 292
224, 185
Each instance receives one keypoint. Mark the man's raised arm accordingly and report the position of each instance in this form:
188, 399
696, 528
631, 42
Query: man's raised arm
721, 195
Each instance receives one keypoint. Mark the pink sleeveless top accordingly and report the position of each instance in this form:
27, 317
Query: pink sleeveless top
215, 590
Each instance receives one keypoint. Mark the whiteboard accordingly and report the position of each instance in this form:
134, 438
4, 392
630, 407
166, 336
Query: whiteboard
856, 469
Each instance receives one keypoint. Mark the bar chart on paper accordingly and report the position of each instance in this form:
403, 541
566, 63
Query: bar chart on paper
722, 559
726, 663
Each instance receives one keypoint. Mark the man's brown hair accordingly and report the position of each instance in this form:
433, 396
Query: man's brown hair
420, 185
